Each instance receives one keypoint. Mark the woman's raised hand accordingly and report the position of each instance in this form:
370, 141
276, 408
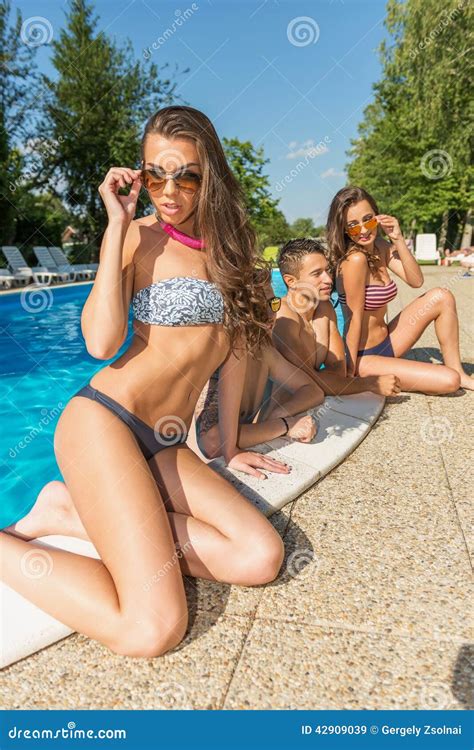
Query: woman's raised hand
390, 226
120, 207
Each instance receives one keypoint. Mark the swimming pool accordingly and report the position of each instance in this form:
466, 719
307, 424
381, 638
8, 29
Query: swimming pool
43, 362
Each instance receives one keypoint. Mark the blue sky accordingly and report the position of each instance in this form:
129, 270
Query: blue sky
293, 77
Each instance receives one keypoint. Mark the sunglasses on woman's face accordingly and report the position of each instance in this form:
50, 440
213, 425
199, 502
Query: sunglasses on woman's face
275, 303
355, 230
185, 180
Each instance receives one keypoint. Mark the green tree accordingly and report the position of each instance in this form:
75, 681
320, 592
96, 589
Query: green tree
17, 108
303, 228
414, 150
41, 220
94, 114
248, 165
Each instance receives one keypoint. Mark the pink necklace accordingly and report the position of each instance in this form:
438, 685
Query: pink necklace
176, 234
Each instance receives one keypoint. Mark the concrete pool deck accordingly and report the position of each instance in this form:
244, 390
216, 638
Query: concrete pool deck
380, 617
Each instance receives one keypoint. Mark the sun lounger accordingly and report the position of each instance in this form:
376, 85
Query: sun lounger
84, 271
46, 260
22, 272
6, 278
425, 248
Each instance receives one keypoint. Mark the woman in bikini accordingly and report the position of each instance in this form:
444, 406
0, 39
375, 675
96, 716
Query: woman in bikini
362, 260
141, 494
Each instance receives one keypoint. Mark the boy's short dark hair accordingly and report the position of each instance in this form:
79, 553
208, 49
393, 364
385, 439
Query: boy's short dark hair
293, 252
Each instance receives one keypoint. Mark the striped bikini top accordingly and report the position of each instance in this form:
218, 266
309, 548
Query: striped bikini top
376, 296
179, 301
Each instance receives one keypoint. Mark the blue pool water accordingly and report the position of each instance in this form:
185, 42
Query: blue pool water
43, 362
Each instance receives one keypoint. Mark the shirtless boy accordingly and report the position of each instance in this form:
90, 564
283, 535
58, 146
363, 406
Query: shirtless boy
263, 416
306, 331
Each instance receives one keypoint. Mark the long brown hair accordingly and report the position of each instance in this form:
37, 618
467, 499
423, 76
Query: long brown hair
339, 243
221, 218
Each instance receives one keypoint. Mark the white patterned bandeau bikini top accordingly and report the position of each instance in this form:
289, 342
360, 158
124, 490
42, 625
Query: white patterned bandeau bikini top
179, 301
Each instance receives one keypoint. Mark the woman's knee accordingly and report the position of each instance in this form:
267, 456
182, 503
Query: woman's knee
149, 636
261, 560
442, 297
451, 381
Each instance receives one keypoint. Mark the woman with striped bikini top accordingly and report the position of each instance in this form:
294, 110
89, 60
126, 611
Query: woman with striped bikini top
376, 295
363, 259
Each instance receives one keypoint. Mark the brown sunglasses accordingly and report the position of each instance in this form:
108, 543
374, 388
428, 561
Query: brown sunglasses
356, 229
187, 181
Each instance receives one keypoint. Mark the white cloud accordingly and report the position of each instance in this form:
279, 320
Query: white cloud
308, 148
332, 172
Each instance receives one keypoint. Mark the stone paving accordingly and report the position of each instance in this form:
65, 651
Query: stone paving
372, 608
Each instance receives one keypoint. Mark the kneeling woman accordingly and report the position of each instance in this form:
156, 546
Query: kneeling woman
141, 494
362, 259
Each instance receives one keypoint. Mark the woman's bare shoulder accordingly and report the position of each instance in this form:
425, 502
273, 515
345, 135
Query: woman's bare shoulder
356, 259
144, 234
145, 221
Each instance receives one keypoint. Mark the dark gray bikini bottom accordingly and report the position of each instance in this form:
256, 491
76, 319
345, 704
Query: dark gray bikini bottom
148, 439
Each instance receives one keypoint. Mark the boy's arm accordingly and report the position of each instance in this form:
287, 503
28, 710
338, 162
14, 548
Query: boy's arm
333, 380
336, 356
230, 389
286, 340
306, 394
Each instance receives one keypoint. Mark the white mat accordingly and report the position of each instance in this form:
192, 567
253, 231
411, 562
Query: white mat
343, 423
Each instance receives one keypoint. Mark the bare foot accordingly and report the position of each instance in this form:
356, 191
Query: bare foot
53, 513
467, 381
